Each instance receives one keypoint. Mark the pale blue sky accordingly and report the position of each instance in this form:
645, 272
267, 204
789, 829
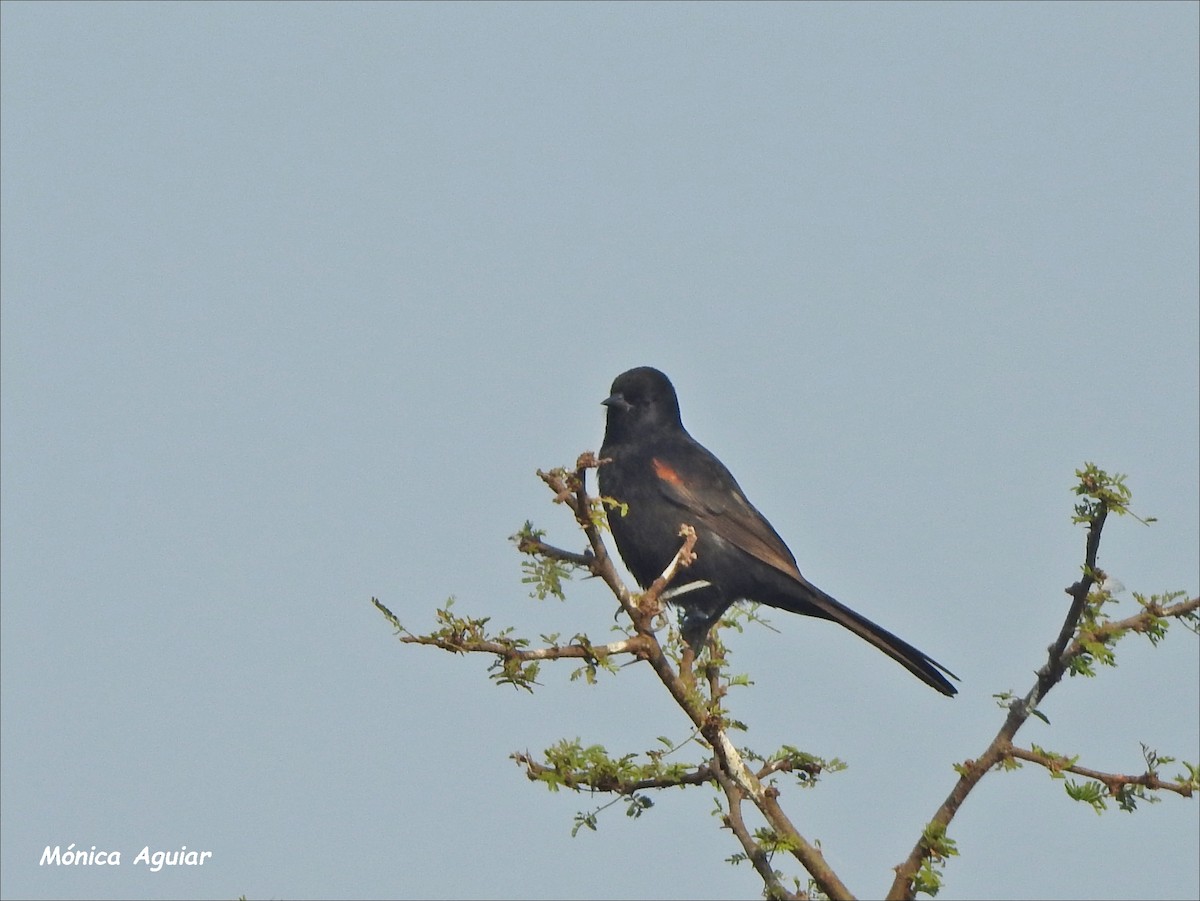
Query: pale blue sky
296, 298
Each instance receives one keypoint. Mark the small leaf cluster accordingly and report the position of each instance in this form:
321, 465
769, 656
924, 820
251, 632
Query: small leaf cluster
636, 804
770, 841
1156, 625
806, 768
504, 670
570, 764
1007, 700
1102, 492
1127, 795
1098, 636
1097, 642
937, 847
461, 633
1096, 794
599, 507
545, 574
592, 663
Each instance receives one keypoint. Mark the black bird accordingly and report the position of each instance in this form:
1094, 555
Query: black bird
667, 478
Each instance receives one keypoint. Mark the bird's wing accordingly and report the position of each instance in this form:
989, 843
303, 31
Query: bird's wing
713, 497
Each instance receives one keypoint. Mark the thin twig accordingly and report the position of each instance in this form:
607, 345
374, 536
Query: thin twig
539, 548
1114, 782
685, 556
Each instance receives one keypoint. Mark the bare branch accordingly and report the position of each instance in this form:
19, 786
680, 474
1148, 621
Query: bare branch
541, 549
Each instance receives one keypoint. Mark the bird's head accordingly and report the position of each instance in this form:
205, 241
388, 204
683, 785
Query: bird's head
642, 399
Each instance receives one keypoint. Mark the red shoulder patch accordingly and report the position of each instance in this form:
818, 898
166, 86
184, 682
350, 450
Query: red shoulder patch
665, 472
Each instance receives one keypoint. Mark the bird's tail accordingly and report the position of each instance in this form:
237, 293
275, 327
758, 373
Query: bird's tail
817, 603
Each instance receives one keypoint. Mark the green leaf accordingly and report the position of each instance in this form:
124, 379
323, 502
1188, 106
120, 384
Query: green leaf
1090, 792
584, 819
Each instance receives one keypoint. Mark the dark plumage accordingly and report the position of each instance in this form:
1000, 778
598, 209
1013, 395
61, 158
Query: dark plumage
667, 478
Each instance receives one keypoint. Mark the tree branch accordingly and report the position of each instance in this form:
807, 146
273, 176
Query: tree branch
1140, 622
1114, 782
541, 549
727, 767
569, 489
649, 601
613, 785
1056, 663
729, 761
972, 771
1059, 657
755, 853
553, 652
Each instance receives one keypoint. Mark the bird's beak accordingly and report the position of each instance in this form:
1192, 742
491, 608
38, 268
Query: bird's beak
618, 401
